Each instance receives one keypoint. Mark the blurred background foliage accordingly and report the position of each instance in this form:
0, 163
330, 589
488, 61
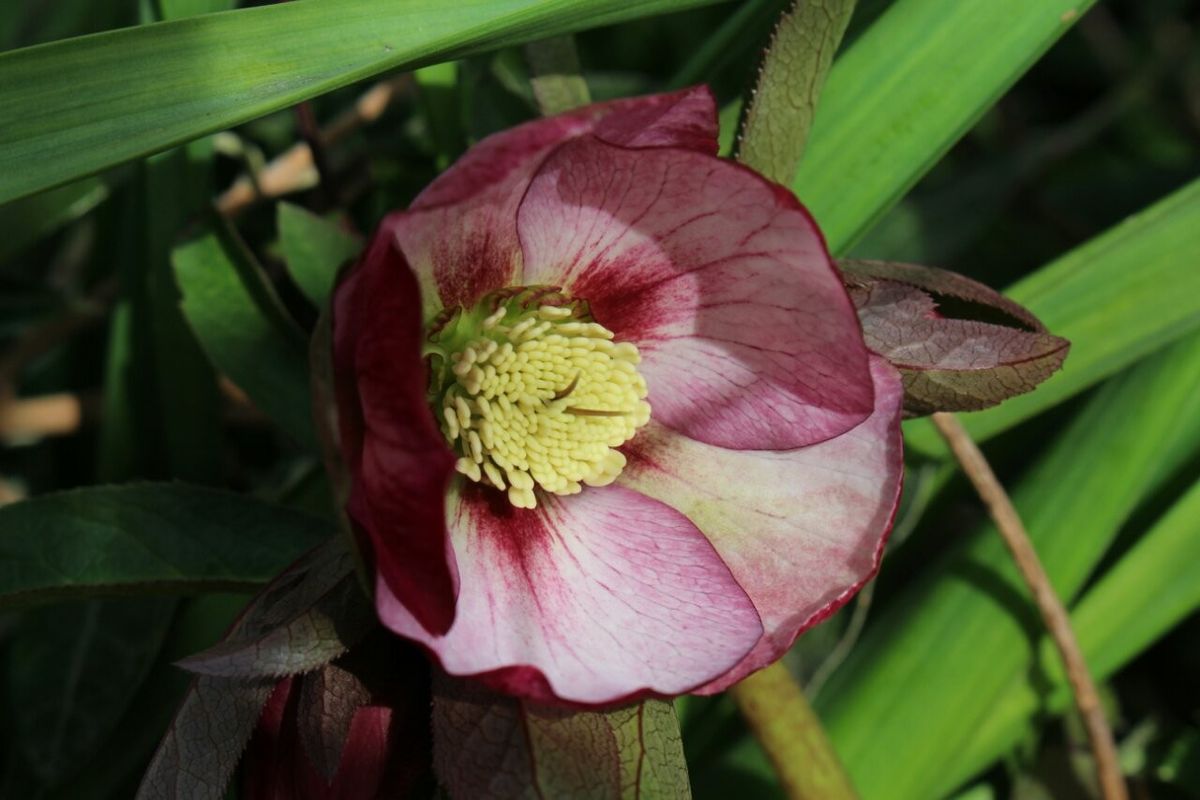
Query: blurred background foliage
936, 682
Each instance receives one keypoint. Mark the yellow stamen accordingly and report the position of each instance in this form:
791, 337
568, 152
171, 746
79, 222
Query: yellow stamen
536, 398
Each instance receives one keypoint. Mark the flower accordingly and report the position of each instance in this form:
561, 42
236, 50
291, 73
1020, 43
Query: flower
610, 423
356, 729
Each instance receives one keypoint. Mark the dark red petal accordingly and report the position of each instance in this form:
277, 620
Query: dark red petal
720, 278
801, 530
588, 599
399, 461
460, 233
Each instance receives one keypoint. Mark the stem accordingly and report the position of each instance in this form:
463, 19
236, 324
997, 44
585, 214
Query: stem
779, 716
558, 84
1054, 615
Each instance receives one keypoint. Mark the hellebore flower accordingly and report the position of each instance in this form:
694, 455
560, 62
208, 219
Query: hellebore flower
611, 425
356, 729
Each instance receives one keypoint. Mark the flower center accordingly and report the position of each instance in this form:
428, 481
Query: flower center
532, 393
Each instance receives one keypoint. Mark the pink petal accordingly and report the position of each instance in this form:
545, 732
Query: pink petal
460, 233
399, 461
588, 599
719, 277
802, 531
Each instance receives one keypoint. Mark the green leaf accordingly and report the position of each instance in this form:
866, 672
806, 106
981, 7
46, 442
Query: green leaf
145, 537
555, 75
1115, 621
75, 107
72, 672
629, 753
1119, 297
314, 249
886, 116
307, 617
934, 663
244, 329
783, 103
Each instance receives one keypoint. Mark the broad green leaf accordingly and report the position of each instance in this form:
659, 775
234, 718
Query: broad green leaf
75, 107
244, 329
779, 111
72, 672
933, 664
307, 617
1116, 620
314, 249
886, 115
629, 753
1122, 295
555, 75
145, 537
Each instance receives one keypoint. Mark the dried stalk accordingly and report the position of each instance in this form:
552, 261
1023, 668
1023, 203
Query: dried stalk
1054, 615
295, 169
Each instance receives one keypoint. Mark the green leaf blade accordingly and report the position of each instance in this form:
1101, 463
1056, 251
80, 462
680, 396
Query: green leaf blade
244, 329
76, 107
887, 94
145, 537
314, 249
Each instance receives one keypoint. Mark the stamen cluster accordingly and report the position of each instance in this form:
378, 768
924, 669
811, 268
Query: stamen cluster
538, 396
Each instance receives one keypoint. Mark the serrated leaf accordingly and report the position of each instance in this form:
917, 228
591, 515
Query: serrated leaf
781, 107
946, 363
145, 537
308, 616
943, 284
72, 671
76, 107
198, 755
329, 699
1119, 297
217, 718
493, 746
314, 249
244, 328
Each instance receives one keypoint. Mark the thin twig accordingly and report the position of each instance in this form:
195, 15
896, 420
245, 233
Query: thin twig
294, 170
310, 131
1054, 615
51, 332
783, 722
